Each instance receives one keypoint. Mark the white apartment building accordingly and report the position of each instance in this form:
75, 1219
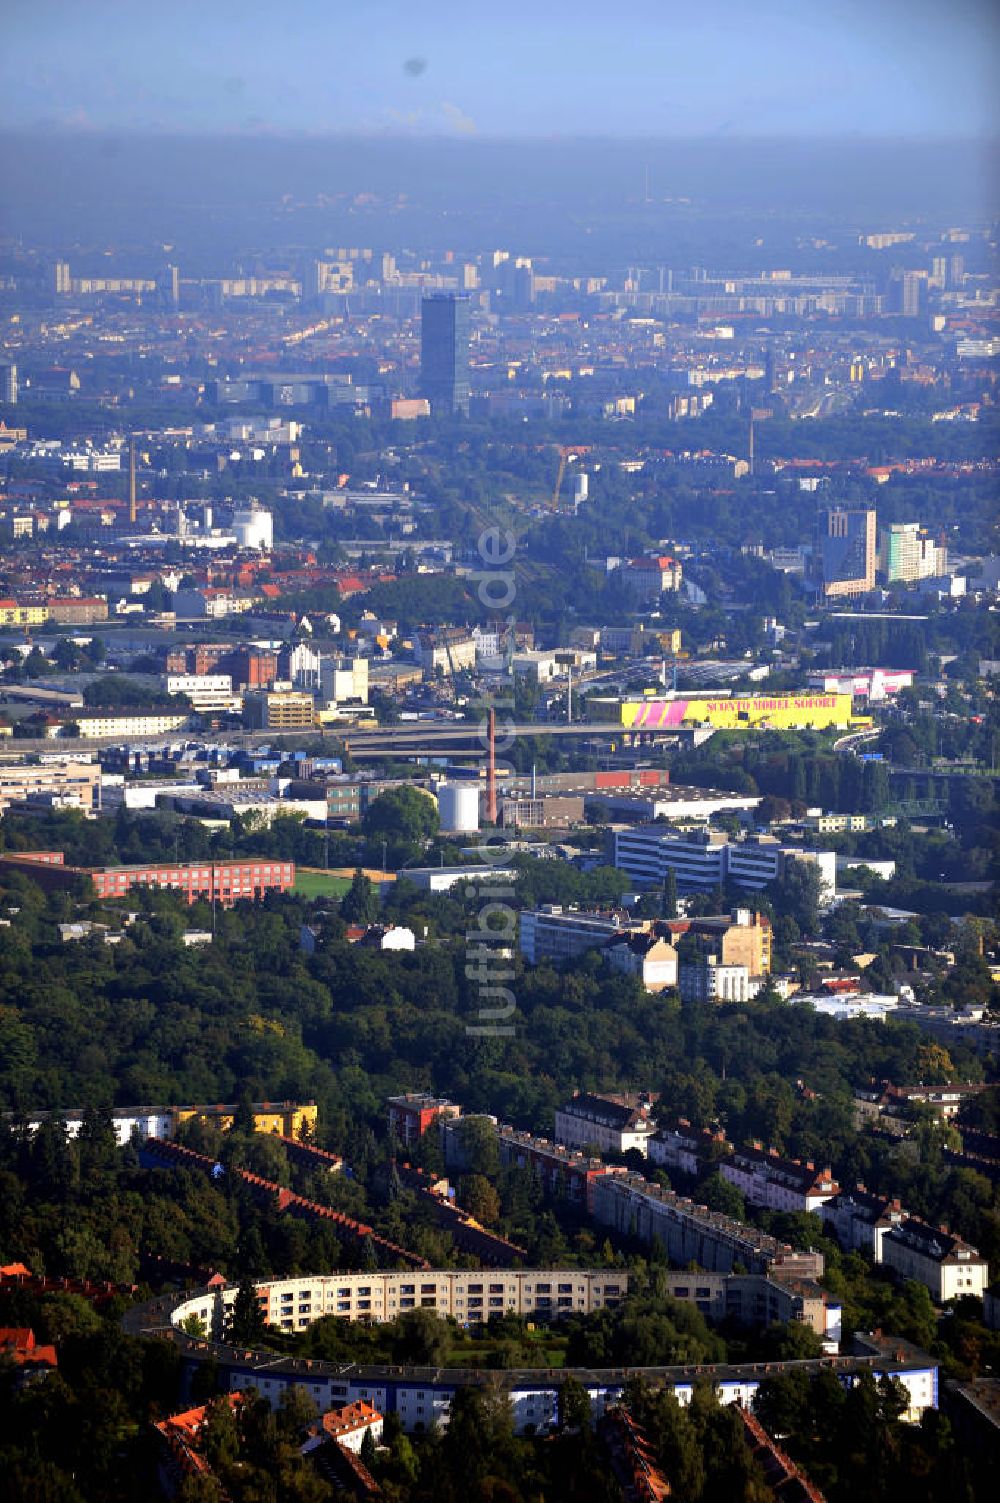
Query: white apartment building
489, 642
709, 980
468, 1296
611, 1125
906, 553
343, 679
206, 691
944, 1263
555, 933
704, 860
647, 854
684, 1147
131, 723
778, 1184
860, 1219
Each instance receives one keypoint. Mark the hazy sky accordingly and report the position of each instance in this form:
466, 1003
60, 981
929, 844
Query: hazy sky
505, 67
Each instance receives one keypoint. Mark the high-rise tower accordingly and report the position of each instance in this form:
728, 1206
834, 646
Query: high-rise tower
444, 353
8, 383
846, 551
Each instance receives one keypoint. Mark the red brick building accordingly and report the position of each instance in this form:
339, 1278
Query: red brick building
410, 1116
226, 881
251, 667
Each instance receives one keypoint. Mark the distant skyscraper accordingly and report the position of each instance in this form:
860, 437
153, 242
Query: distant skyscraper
846, 552
8, 384
444, 353
910, 289
169, 284
770, 370
62, 282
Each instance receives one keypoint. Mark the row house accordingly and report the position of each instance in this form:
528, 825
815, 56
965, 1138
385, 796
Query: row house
860, 1218
943, 1262
611, 1124
778, 1184
691, 1233
563, 1172
689, 1149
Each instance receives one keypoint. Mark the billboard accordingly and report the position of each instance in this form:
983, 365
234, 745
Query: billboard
782, 712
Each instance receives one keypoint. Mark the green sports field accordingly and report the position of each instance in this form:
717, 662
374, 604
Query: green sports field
312, 883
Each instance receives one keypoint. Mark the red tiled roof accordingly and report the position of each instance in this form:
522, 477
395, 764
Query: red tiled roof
352, 1417
17, 1343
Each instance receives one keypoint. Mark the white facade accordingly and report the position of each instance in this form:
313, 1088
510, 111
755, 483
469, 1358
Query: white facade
707, 859
206, 691
906, 553
253, 527
860, 1220
348, 1427
878, 683
422, 1397
448, 651
544, 667
343, 679
947, 1266
489, 642
587, 1121
712, 981
137, 723
825, 863
647, 855
147, 1122
779, 1184
304, 664
397, 937
443, 878
469, 1296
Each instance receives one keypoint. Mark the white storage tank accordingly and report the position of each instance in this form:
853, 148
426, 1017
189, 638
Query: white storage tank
458, 806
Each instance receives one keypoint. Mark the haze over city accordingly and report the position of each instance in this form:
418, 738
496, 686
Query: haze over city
565, 68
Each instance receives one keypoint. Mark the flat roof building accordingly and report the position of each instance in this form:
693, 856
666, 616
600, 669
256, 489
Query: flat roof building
411, 1115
